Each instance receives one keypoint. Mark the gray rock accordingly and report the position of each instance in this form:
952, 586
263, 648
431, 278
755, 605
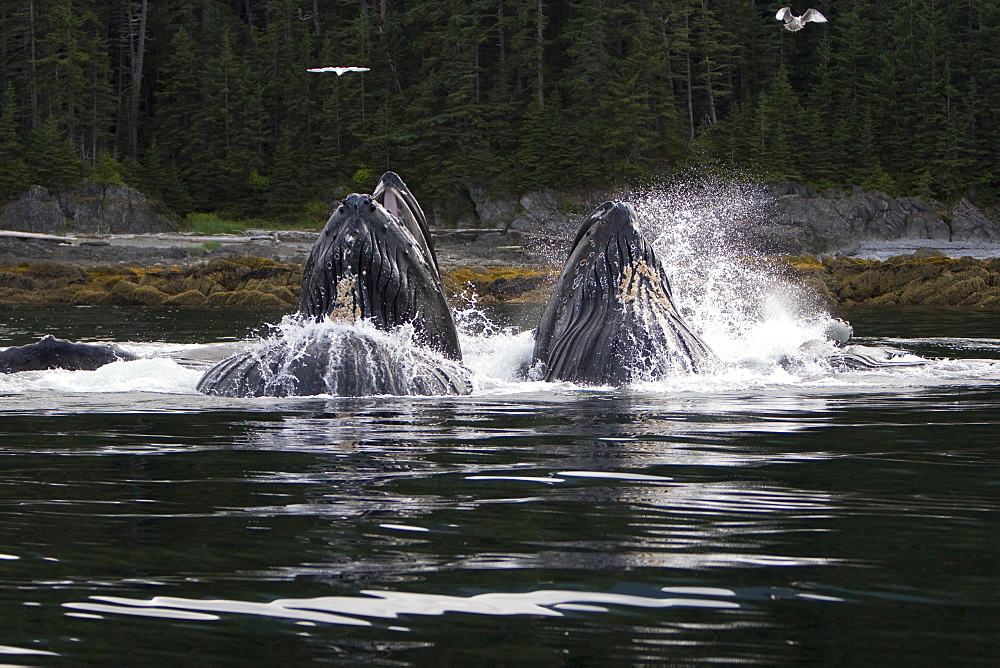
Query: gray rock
541, 206
115, 209
797, 220
87, 208
925, 253
525, 224
969, 224
534, 212
492, 212
34, 211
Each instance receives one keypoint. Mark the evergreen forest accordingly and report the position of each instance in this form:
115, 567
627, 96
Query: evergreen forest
206, 105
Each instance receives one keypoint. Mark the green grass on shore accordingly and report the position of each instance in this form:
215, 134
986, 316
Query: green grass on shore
208, 224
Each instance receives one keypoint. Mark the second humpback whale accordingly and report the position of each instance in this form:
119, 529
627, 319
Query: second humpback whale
611, 318
373, 263
53, 353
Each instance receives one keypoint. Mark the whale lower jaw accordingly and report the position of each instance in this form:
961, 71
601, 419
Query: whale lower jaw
343, 363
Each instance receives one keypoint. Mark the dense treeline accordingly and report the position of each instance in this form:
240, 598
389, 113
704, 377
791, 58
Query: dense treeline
207, 104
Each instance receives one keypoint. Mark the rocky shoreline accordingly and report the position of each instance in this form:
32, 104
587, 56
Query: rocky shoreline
784, 218
257, 270
264, 271
512, 251
924, 278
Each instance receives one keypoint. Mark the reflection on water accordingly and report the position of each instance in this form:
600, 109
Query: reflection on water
822, 522
391, 605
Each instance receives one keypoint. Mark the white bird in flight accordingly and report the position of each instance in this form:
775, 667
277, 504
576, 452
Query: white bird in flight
796, 23
338, 70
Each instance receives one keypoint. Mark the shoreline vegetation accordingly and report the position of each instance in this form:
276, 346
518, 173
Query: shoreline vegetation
924, 278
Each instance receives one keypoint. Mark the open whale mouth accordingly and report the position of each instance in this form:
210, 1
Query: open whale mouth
373, 262
400, 203
611, 318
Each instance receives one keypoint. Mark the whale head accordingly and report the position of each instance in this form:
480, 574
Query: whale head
611, 318
374, 260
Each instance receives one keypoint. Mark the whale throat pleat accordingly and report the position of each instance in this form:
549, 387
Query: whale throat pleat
611, 318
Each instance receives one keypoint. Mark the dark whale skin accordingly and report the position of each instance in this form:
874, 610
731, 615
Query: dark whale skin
368, 264
53, 353
611, 319
373, 261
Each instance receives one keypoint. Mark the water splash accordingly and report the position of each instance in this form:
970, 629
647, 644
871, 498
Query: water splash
143, 375
498, 356
732, 295
350, 358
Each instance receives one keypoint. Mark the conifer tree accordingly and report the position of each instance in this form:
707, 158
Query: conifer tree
783, 127
51, 158
507, 94
14, 174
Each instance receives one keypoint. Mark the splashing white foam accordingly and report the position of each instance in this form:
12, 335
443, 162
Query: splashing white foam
498, 357
144, 375
733, 297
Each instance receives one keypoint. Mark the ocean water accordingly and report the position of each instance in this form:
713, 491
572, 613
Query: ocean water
755, 515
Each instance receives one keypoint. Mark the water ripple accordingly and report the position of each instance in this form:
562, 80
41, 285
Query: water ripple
352, 610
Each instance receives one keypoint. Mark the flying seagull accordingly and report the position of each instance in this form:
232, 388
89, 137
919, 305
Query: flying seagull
341, 70
796, 23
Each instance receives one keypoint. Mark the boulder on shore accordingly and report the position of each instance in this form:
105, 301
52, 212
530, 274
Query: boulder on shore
926, 278
796, 219
86, 208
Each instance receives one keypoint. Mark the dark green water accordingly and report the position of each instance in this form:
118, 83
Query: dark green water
847, 522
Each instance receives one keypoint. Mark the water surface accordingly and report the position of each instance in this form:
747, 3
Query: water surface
758, 517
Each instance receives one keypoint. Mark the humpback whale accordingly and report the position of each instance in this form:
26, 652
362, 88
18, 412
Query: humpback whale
373, 262
611, 318
52, 353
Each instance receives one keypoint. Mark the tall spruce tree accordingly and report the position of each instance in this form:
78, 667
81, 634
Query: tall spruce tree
52, 159
14, 174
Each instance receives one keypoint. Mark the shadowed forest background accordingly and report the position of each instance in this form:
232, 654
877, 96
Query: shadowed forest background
206, 105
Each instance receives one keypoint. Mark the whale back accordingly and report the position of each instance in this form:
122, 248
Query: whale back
611, 318
370, 264
53, 353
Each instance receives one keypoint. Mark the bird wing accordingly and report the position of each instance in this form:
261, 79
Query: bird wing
338, 70
813, 15
784, 14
